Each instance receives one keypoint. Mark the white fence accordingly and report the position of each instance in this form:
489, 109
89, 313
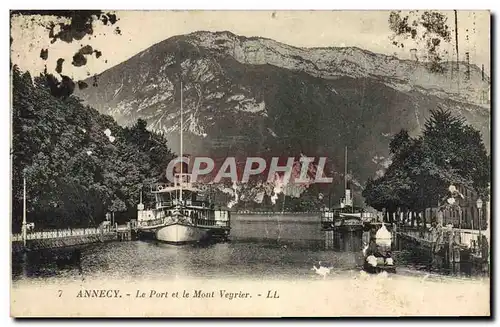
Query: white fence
57, 233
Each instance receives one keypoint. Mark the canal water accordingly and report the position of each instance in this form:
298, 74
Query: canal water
260, 247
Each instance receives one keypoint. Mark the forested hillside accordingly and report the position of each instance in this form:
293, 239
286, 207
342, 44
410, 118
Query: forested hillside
78, 164
258, 97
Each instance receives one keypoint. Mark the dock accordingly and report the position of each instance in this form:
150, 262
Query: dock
126, 232
61, 238
448, 248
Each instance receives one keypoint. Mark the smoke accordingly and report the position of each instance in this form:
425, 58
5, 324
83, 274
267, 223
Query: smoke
383, 163
294, 188
107, 132
278, 187
353, 180
301, 176
236, 196
259, 197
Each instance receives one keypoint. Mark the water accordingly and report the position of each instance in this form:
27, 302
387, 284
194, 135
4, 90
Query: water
265, 253
260, 247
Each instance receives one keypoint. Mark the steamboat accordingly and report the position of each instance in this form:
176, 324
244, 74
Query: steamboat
345, 217
183, 213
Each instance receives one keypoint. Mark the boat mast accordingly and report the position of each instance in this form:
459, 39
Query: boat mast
182, 162
345, 170
348, 194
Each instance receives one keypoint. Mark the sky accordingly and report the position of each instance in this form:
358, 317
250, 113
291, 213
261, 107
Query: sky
141, 29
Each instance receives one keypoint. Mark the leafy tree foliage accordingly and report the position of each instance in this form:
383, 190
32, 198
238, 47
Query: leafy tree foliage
75, 173
448, 152
428, 30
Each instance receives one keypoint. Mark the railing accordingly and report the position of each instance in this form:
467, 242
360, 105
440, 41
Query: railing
164, 204
222, 215
211, 222
197, 203
330, 216
158, 187
327, 216
151, 222
183, 180
222, 222
465, 237
59, 233
123, 228
188, 202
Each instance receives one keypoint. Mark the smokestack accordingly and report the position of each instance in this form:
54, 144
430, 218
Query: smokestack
345, 169
482, 72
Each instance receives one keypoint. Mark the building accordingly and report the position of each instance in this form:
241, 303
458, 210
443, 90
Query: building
465, 214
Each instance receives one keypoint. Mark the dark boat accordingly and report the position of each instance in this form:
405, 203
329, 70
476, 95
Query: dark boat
377, 253
345, 217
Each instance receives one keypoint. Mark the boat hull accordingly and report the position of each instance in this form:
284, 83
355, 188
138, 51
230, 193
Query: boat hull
182, 234
178, 233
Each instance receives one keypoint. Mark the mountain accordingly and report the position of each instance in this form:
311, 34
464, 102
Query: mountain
255, 96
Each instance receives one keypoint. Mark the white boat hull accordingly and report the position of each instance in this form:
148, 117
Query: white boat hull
177, 233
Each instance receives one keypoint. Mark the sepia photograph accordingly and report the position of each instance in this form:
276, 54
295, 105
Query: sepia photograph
250, 163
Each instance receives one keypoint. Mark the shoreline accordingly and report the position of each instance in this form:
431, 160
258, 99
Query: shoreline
264, 213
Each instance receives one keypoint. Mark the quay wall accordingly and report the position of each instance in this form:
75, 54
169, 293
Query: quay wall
454, 250
61, 242
247, 212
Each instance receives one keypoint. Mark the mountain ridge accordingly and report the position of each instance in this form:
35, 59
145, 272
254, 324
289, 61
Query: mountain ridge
475, 68
258, 99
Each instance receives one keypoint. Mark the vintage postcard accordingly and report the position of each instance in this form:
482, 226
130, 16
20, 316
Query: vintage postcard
250, 163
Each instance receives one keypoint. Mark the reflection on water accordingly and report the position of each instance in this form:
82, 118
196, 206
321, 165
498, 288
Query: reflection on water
271, 247
344, 242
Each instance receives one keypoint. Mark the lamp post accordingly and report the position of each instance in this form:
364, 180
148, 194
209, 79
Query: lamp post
454, 193
479, 204
24, 227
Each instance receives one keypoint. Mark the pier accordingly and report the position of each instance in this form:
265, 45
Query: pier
271, 213
60, 238
452, 249
127, 232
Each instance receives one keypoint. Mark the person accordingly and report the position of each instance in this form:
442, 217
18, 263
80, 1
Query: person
373, 249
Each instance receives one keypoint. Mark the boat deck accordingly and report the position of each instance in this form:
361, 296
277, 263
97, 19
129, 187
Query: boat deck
216, 225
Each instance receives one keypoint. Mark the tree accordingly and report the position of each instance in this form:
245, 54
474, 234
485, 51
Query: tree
428, 30
448, 152
74, 172
458, 150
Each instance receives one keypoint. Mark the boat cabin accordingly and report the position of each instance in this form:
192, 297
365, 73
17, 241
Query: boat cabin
181, 199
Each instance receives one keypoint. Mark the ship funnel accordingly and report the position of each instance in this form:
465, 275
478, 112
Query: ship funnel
181, 167
140, 206
347, 187
348, 197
